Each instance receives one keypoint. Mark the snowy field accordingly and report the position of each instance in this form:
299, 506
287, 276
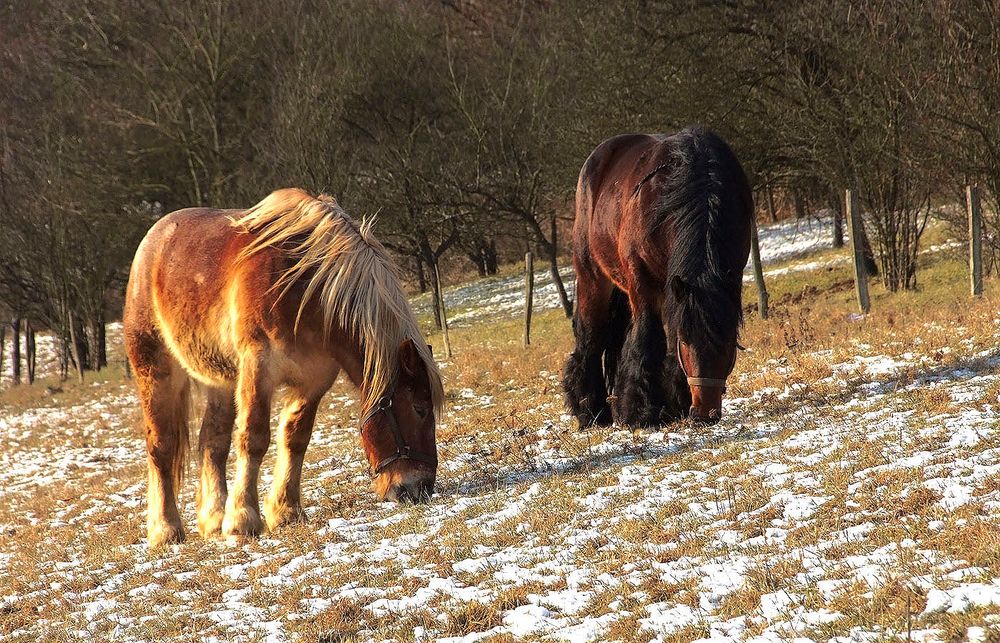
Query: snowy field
852, 493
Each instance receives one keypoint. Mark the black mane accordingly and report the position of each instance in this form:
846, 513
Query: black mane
706, 201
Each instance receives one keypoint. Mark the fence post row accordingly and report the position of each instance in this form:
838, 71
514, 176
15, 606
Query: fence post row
975, 240
854, 229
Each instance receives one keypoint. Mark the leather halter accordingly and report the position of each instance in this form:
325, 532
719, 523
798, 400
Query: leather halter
403, 450
704, 381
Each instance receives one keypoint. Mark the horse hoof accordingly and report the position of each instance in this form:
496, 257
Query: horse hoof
160, 534
210, 523
280, 515
242, 522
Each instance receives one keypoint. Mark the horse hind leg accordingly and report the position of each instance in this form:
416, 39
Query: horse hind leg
583, 375
639, 386
252, 435
620, 319
214, 440
164, 391
284, 503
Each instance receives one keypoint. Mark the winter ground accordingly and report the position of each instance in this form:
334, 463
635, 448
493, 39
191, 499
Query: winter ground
851, 493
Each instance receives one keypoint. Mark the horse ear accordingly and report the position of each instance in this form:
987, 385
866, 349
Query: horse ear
409, 358
679, 288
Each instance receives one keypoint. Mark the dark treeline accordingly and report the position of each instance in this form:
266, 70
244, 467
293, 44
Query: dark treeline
462, 124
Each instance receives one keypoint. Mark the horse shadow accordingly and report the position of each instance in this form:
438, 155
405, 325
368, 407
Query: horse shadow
639, 449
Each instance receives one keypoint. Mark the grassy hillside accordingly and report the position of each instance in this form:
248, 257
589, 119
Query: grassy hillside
852, 490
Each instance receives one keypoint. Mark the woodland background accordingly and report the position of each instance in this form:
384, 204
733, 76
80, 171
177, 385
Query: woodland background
462, 124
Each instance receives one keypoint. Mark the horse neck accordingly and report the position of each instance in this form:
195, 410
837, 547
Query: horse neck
349, 354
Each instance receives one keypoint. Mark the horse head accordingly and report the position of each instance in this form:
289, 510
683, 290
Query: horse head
706, 356
397, 433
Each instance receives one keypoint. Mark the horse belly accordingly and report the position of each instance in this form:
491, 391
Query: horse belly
202, 351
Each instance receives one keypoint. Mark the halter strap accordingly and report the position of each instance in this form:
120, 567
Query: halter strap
403, 450
703, 381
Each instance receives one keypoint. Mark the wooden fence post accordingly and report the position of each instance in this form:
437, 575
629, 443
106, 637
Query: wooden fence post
15, 351
758, 271
529, 295
854, 229
975, 239
444, 315
3, 338
29, 350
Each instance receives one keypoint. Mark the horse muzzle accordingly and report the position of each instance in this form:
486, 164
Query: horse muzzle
412, 491
704, 416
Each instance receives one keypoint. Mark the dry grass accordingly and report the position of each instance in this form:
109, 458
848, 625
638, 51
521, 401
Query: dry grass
811, 480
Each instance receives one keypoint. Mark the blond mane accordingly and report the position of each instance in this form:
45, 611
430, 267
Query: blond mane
352, 275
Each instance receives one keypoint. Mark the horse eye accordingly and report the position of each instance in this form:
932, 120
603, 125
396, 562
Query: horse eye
421, 411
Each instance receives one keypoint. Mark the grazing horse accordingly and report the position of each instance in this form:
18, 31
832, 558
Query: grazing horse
661, 238
290, 292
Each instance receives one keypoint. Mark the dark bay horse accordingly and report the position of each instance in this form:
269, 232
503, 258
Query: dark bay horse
290, 292
661, 238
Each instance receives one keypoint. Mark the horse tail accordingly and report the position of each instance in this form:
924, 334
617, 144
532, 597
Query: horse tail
179, 427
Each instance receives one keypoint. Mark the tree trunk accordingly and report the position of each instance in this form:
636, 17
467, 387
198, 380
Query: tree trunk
102, 342
869, 255
15, 352
29, 350
771, 210
838, 219
3, 338
77, 345
554, 269
421, 277
492, 266
479, 261
435, 292
64, 355
800, 205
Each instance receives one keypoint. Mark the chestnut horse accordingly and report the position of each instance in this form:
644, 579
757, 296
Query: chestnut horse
661, 238
290, 292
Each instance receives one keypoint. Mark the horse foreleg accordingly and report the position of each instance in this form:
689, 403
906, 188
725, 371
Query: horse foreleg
252, 435
284, 504
214, 440
639, 387
678, 393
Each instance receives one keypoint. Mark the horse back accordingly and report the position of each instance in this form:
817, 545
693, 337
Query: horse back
608, 216
632, 188
188, 290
